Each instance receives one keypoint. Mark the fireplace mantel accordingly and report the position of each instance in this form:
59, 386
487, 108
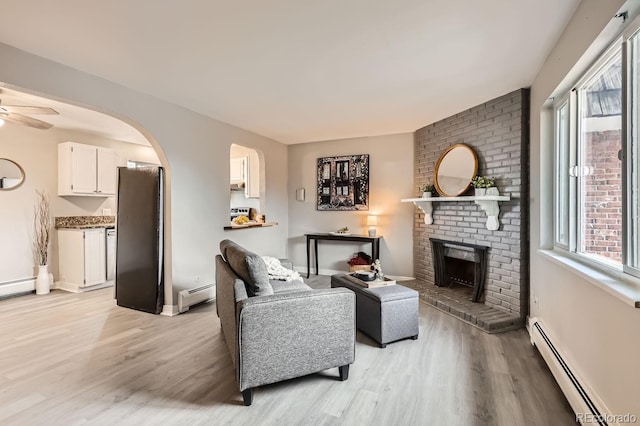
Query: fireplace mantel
488, 203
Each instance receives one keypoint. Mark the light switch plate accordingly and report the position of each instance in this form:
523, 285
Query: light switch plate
106, 212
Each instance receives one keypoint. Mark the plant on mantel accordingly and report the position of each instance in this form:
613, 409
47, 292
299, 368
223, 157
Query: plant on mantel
481, 183
427, 189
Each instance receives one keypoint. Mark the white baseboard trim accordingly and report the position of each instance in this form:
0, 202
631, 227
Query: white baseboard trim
170, 310
24, 285
74, 288
584, 400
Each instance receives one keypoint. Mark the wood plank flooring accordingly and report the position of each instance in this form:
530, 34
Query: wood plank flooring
71, 359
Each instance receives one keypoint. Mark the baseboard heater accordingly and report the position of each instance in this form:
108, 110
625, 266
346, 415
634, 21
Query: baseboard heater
573, 390
17, 287
194, 296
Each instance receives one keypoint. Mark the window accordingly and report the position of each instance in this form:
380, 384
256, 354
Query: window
562, 178
632, 265
597, 161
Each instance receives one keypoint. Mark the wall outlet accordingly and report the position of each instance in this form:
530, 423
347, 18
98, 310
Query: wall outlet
106, 212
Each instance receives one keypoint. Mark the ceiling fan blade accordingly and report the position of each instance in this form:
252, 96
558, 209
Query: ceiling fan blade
27, 121
28, 110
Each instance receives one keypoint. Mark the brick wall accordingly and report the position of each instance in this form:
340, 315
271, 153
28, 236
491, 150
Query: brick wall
498, 131
602, 192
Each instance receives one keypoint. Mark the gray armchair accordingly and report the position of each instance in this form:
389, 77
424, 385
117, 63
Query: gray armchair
286, 329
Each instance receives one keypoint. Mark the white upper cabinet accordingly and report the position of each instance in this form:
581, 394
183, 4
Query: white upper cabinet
86, 170
252, 189
237, 170
107, 168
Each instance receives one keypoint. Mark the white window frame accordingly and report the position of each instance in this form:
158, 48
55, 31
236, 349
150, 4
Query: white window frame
575, 162
570, 99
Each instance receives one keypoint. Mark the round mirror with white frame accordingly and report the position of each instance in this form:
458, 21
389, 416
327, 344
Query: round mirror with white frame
455, 168
11, 174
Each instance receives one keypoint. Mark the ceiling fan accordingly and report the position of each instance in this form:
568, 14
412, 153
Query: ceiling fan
20, 115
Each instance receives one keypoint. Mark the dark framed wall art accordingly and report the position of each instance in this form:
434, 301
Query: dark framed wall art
343, 183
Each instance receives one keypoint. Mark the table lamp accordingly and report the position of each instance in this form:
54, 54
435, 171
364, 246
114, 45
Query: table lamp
372, 221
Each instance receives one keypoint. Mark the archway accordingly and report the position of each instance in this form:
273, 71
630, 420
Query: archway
78, 123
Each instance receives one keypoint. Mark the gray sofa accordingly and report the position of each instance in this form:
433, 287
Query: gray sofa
278, 330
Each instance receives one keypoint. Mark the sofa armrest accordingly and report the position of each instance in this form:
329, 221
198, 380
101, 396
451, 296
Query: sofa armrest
283, 336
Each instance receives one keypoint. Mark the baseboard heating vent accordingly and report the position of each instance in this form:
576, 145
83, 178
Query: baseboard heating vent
188, 298
570, 385
17, 287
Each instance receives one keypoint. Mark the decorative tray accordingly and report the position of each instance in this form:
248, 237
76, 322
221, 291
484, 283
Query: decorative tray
370, 284
340, 234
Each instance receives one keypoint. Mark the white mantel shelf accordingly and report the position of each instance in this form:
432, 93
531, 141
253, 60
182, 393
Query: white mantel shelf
488, 203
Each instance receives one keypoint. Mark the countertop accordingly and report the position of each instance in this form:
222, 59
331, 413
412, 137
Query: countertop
250, 225
85, 222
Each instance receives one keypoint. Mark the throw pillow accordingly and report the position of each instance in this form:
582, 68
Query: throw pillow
249, 267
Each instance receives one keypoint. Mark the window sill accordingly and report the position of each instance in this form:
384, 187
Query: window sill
618, 284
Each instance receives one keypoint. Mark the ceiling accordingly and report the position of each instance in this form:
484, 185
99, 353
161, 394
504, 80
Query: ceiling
300, 71
72, 117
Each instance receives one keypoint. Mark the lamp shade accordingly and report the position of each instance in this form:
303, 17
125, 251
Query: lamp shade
372, 220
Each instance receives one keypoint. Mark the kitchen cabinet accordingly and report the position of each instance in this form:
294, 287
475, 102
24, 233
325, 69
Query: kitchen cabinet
252, 188
86, 170
246, 171
82, 258
236, 170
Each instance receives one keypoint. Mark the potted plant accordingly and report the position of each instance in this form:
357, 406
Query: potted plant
481, 183
42, 222
427, 190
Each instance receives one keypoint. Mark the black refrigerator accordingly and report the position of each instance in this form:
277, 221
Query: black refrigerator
139, 239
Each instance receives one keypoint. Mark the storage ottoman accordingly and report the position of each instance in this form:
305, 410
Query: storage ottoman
385, 314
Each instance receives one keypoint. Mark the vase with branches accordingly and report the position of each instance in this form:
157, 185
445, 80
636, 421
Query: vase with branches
42, 224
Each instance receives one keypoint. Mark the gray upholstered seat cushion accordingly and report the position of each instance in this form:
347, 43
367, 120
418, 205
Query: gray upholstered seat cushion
249, 267
280, 287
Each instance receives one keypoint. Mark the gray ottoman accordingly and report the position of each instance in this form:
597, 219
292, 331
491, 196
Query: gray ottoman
385, 314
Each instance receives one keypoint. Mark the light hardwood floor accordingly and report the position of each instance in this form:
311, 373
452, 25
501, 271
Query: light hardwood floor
80, 359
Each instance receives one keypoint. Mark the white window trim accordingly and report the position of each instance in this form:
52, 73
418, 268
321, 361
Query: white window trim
616, 281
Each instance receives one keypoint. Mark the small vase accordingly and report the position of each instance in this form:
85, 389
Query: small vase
42, 280
480, 192
426, 195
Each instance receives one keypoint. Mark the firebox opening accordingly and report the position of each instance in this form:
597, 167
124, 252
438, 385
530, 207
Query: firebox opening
467, 263
459, 271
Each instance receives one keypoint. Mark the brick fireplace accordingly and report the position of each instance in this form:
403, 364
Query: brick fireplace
498, 131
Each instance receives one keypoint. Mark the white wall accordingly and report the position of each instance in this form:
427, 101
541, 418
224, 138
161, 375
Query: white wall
195, 152
390, 179
37, 153
599, 334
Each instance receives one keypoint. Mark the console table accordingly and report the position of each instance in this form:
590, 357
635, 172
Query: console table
375, 245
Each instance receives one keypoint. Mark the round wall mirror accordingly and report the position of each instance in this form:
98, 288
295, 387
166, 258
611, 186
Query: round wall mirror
11, 174
455, 168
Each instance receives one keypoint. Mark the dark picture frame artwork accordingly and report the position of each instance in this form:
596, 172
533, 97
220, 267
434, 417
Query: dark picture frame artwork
343, 183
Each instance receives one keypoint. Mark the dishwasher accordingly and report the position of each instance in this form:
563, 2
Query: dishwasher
111, 254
